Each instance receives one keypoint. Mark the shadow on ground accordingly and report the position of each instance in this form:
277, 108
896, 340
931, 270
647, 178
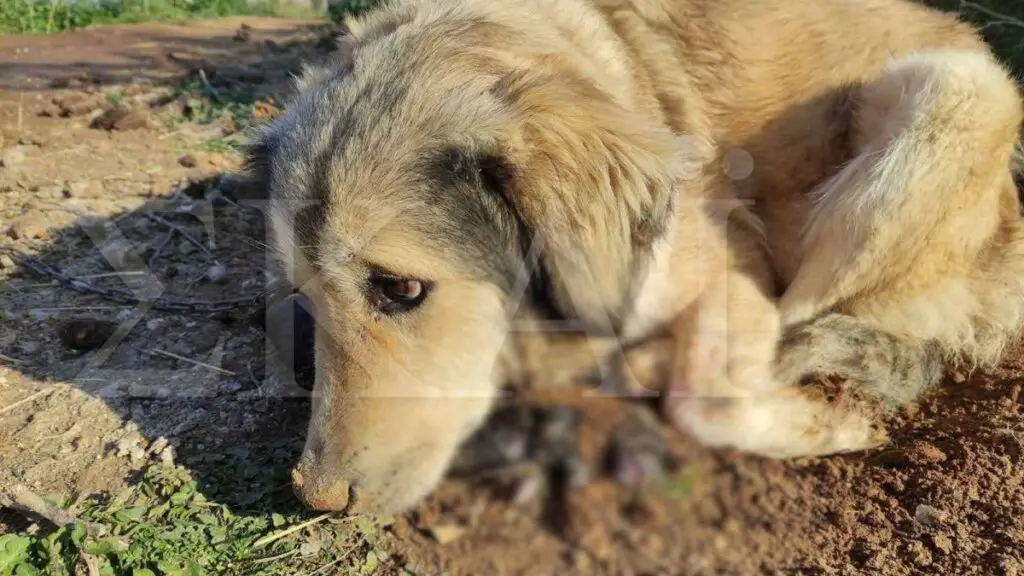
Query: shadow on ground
158, 53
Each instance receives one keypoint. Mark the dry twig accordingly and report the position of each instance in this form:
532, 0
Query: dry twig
160, 303
275, 536
179, 230
209, 87
190, 361
19, 496
32, 397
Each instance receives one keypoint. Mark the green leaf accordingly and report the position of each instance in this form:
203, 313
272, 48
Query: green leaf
180, 497
143, 572
158, 511
168, 567
277, 519
13, 549
78, 534
26, 570
130, 514
104, 547
194, 569
217, 534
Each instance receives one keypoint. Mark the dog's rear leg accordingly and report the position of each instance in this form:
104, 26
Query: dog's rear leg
897, 235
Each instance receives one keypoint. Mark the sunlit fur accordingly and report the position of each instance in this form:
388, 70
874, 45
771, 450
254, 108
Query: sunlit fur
876, 238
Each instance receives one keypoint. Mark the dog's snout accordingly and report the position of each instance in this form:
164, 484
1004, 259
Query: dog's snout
320, 490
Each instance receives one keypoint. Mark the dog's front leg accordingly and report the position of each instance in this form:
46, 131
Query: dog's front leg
722, 390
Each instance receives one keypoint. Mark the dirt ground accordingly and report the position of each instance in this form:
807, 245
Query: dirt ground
97, 173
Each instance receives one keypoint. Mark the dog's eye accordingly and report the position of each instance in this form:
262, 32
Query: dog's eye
392, 295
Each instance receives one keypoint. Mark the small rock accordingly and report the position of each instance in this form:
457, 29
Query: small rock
31, 141
6, 262
167, 456
230, 387
29, 226
74, 189
158, 445
188, 161
144, 391
155, 323
50, 111
76, 105
529, 489
121, 118
243, 34
925, 453
310, 548
446, 533
120, 255
129, 447
217, 273
918, 554
929, 516
28, 347
85, 333
186, 248
13, 156
942, 543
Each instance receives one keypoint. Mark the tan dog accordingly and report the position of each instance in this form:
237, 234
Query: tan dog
774, 188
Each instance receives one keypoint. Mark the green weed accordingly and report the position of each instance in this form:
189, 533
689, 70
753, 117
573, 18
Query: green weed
169, 523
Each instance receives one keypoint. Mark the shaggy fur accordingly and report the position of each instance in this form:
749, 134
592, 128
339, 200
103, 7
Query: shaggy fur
583, 161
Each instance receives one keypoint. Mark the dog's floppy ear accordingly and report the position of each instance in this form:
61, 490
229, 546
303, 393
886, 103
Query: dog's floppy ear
594, 181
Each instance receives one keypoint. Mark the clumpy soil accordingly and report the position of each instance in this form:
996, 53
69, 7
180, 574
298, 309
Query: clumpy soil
97, 172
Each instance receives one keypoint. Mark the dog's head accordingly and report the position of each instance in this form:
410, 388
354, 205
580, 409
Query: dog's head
410, 181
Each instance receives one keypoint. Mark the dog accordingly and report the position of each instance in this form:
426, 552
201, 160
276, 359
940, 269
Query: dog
738, 194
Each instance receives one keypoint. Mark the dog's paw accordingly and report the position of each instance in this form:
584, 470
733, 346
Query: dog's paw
780, 424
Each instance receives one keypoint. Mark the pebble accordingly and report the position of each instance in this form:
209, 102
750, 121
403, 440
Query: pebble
217, 273
155, 323
75, 105
929, 515
6, 262
129, 446
14, 155
29, 226
158, 445
28, 347
167, 455
446, 533
188, 161
120, 255
120, 118
75, 189
144, 391
942, 543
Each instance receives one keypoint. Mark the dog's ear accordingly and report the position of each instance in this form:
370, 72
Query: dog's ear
594, 181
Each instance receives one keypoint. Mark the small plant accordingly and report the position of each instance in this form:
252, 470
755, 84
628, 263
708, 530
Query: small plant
168, 524
337, 10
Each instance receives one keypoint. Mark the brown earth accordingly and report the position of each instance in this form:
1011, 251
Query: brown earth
84, 189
